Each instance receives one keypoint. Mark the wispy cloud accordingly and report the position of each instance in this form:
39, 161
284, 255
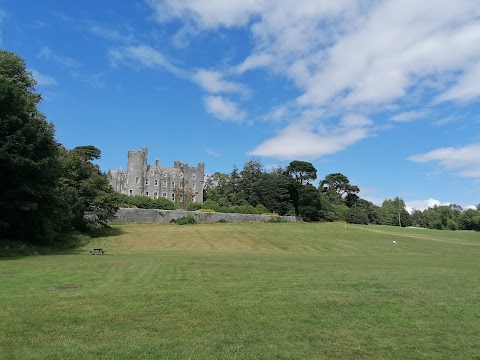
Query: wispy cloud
213, 82
224, 109
211, 152
461, 161
66, 61
42, 79
408, 116
111, 34
144, 55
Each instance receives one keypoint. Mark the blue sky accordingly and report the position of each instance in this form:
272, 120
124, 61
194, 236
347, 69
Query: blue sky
385, 92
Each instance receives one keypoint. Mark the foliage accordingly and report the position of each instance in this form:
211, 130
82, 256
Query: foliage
338, 189
143, 202
210, 204
311, 205
338, 212
250, 174
31, 207
243, 209
186, 220
92, 201
194, 206
357, 215
272, 191
301, 171
394, 213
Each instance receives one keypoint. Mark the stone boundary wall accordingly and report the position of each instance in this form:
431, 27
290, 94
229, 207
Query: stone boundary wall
165, 216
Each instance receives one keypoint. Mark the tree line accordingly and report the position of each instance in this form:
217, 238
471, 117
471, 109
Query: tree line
46, 191
291, 191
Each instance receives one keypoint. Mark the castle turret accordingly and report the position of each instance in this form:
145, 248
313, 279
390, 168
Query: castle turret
137, 167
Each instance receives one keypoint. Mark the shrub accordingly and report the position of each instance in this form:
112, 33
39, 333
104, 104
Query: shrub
186, 220
194, 206
243, 209
210, 204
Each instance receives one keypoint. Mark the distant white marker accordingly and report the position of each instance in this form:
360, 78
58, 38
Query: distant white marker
394, 242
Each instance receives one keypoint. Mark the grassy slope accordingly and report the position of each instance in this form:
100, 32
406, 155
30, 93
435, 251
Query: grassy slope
248, 291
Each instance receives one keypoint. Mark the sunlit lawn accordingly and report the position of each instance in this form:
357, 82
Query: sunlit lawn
248, 291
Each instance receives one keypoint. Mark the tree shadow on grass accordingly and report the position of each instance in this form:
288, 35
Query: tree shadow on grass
66, 244
106, 232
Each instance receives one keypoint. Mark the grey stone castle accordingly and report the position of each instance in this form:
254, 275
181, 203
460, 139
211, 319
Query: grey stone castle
157, 181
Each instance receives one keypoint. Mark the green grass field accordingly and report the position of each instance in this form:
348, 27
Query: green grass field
248, 291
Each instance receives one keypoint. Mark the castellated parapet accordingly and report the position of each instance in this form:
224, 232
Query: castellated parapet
155, 181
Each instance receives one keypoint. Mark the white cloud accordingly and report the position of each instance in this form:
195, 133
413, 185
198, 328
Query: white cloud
344, 55
42, 79
212, 82
301, 141
408, 116
423, 204
462, 161
224, 109
145, 55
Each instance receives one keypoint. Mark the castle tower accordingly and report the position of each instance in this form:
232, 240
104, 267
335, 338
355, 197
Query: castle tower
137, 168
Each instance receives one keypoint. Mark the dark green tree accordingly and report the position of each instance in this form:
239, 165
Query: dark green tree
30, 204
338, 188
357, 215
302, 172
251, 172
394, 213
312, 206
92, 201
272, 190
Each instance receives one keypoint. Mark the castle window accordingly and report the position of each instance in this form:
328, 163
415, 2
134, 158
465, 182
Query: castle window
165, 183
155, 195
130, 192
173, 184
173, 197
164, 174
193, 186
137, 180
146, 181
164, 195
193, 177
156, 182
146, 193
173, 174
151, 172
193, 198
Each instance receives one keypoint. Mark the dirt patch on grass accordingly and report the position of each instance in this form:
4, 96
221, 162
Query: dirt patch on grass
4, 274
64, 287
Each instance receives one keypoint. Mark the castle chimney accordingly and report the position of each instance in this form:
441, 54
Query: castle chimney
157, 162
